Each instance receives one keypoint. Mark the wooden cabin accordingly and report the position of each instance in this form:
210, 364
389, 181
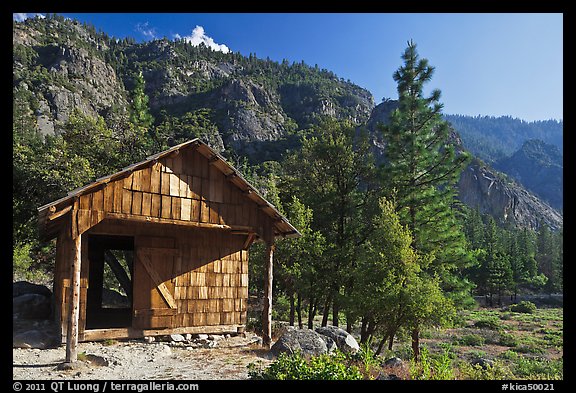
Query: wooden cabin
174, 230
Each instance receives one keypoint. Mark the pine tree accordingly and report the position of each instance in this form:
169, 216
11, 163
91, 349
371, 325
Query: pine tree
421, 171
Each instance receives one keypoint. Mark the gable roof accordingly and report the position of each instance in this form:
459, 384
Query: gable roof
48, 226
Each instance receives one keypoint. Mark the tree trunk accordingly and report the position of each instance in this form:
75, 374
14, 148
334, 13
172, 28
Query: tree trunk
391, 341
326, 311
363, 332
292, 309
348, 324
416, 343
335, 310
311, 314
299, 310
380, 346
119, 272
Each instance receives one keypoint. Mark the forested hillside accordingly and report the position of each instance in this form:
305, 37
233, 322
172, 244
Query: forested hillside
86, 105
492, 138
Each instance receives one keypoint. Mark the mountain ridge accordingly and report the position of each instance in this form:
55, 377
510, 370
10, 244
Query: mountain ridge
257, 106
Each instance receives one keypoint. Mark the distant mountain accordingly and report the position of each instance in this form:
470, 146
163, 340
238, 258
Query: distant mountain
245, 105
493, 138
539, 167
481, 186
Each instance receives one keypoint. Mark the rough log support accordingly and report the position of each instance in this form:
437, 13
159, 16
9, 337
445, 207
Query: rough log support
267, 322
74, 302
267, 312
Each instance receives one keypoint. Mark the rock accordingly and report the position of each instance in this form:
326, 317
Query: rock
387, 377
33, 339
97, 360
344, 340
31, 306
305, 341
177, 338
330, 344
202, 336
149, 339
484, 363
188, 336
394, 362
20, 288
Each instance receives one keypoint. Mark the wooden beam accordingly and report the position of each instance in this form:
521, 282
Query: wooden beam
164, 291
132, 217
74, 303
55, 214
249, 240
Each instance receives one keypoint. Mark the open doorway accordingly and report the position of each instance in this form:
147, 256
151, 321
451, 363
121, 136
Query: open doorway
110, 280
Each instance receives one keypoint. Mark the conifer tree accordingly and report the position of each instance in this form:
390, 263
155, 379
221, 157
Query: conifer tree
421, 170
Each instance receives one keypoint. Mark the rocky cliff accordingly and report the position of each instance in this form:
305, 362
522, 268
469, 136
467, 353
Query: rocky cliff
509, 203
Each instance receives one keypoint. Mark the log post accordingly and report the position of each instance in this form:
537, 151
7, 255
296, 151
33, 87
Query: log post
267, 312
74, 302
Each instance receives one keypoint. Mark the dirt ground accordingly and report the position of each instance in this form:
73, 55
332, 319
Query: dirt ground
138, 360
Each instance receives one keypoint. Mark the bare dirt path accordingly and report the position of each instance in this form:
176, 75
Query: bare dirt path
137, 360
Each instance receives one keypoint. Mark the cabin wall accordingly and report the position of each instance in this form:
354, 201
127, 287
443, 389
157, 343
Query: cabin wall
207, 275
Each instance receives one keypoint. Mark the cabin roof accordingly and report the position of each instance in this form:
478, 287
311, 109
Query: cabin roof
49, 227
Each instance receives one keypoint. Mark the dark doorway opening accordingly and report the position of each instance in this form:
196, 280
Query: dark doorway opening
110, 280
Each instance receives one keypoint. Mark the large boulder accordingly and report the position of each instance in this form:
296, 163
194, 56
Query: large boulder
34, 339
31, 306
305, 341
344, 340
20, 288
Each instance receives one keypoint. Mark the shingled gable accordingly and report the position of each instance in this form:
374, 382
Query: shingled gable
51, 216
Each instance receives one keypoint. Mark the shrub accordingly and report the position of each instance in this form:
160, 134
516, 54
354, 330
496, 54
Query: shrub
492, 324
538, 368
297, 367
497, 371
523, 307
470, 339
507, 340
429, 367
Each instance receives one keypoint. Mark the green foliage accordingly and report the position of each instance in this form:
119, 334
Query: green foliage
534, 368
297, 367
523, 307
492, 324
469, 340
497, 371
508, 340
430, 367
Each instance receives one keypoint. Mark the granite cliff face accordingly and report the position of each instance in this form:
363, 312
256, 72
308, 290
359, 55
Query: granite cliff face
484, 188
257, 105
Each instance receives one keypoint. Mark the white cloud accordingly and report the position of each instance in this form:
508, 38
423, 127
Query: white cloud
199, 37
22, 16
146, 30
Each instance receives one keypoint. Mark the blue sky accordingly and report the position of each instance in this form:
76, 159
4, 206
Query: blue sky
486, 63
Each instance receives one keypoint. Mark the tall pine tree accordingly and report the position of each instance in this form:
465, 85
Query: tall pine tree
420, 174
